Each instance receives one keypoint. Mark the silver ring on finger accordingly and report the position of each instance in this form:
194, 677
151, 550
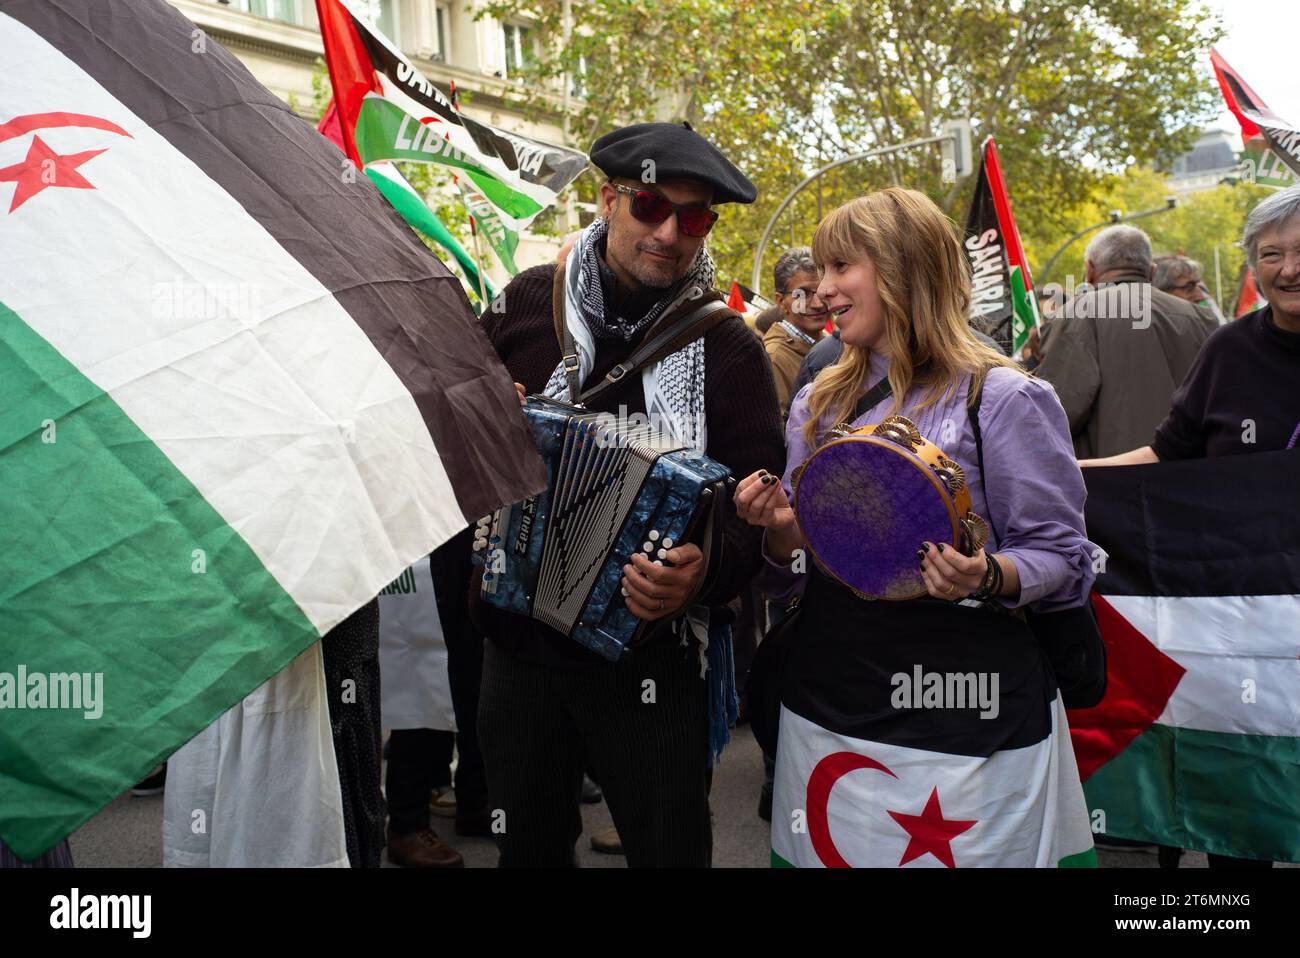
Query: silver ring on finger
661, 605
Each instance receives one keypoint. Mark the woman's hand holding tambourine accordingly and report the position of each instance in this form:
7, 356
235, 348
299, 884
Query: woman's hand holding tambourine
948, 574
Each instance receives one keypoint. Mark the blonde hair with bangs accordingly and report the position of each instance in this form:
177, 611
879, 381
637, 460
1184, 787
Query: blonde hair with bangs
923, 279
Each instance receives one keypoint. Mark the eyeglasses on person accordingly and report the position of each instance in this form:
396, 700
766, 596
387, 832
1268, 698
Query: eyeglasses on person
653, 208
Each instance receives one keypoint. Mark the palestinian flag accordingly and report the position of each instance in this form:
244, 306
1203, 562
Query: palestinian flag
1248, 298
904, 745
1272, 144
1197, 742
390, 111
1002, 293
399, 192
237, 398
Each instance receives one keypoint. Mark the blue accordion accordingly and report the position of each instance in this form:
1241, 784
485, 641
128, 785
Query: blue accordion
613, 489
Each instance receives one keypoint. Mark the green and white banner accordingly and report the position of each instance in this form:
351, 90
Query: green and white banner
390, 111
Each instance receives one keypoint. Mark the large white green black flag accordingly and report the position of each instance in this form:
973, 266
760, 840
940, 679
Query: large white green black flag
237, 398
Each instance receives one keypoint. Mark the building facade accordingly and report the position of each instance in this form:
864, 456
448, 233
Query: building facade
279, 41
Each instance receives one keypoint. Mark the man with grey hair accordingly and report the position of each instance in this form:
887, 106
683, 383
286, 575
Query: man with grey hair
1117, 351
1180, 276
803, 320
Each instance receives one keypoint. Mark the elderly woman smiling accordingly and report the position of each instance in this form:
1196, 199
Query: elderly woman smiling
1241, 394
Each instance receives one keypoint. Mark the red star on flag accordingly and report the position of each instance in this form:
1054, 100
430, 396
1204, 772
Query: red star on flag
43, 167
930, 832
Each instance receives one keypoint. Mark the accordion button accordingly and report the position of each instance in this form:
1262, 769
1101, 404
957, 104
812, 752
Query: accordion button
663, 553
654, 535
659, 562
624, 591
668, 543
480, 543
647, 547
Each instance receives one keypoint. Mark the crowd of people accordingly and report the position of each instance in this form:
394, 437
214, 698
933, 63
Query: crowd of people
1137, 366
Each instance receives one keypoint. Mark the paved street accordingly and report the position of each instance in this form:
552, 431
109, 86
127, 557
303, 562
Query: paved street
128, 833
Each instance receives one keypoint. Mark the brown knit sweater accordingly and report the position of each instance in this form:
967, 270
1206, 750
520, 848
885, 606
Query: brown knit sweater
743, 423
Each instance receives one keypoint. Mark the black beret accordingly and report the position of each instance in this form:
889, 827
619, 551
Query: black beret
678, 152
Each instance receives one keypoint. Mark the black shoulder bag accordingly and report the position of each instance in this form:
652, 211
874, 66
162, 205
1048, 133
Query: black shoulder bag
1069, 638
768, 667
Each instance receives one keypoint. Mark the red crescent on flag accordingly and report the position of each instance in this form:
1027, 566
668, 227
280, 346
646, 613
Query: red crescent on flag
45, 121
823, 778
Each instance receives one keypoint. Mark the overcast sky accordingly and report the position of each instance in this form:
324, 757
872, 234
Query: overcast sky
1261, 45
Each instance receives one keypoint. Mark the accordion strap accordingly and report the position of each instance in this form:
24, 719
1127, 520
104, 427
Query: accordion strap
679, 327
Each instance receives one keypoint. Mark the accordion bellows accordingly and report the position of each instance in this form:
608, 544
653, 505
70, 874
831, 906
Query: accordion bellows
613, 489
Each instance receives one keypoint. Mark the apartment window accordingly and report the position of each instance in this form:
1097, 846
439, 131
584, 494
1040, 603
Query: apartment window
440, 28
381, 14
579, 77
518, 43
286, 10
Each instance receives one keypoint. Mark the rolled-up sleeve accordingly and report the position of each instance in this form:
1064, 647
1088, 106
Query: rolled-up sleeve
1035, 492
778, 581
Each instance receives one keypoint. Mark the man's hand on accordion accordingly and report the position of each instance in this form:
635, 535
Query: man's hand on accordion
661, 591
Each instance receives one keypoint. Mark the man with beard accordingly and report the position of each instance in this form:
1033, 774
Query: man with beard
549, 707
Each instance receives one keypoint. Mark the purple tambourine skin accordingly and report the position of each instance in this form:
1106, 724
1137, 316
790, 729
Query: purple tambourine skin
864, 506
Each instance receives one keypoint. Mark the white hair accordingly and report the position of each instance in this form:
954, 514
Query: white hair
1278, 208
1119, 247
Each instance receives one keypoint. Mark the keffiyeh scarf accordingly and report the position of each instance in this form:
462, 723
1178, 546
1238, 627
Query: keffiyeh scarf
674, 386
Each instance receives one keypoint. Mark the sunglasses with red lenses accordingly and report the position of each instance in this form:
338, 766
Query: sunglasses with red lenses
652, 208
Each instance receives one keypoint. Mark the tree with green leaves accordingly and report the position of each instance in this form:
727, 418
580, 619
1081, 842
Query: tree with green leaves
1074, 92
1200, 223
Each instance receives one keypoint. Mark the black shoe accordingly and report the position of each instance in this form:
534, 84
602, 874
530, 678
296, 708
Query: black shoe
153, 785
591, 793
765, 804
476, 824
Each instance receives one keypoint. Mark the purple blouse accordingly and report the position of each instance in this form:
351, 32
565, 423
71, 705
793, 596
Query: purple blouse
1036, 505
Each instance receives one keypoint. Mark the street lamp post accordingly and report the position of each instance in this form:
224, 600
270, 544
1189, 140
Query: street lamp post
1171, 202
949, 135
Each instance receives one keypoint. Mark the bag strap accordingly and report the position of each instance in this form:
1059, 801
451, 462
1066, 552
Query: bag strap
975, 396
670, 335
673, 332
868, 400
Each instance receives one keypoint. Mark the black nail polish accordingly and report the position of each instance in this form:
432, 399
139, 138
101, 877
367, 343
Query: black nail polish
920, 555
940, 546
925, 547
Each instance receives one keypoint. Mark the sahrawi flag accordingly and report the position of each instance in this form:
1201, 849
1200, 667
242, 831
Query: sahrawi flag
390, 111
1272, 145
947, 763
1197, 742
237, 398
1002, 293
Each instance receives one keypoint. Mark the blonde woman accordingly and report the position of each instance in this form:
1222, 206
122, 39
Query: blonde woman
927, 732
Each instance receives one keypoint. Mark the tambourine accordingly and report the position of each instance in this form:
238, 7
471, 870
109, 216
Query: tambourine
867, 499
